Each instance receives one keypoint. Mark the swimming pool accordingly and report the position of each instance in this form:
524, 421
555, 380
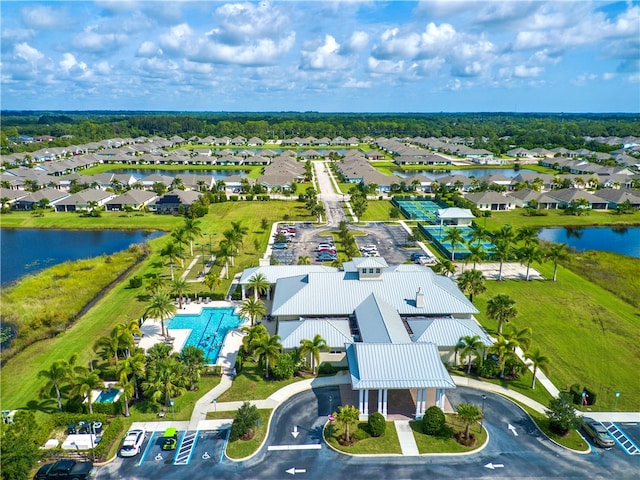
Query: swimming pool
208, 329
108, 396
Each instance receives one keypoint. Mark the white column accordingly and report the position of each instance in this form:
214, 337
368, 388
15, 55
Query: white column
360, 402
440, 398
244, 293
269, 293
418, 401
384, 402
380, 400
366, 402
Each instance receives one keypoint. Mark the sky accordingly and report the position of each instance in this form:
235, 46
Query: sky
335, 56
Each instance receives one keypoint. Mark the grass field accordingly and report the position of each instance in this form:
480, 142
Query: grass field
430, 444
555, 218
387, 444
589, 334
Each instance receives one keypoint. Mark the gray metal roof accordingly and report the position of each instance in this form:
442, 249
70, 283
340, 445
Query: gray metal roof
379, 322
335, 332
396, 366
340, 293
445, 332
455, 212
275, 272
369, 262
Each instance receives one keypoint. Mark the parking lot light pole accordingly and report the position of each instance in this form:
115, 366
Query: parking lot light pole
484, 397
615, 405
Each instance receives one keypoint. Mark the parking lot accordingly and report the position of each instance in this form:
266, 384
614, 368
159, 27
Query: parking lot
389, 240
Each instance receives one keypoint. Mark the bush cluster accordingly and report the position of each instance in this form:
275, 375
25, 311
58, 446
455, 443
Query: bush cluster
433, 420
246, 418
377, 424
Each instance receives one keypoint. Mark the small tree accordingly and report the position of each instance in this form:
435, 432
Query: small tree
433, 420
245, 420
469, 414
377, 424
284, 367
561, 414
347, 416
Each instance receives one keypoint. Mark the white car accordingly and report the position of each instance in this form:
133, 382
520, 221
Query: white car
132, 443
369, 249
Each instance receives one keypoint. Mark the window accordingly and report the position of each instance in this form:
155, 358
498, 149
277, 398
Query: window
371, 270
377, 270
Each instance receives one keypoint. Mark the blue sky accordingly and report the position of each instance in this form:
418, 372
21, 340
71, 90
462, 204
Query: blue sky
338, 56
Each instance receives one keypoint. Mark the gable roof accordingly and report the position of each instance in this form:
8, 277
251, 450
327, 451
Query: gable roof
446, 332
336, 333
379, 322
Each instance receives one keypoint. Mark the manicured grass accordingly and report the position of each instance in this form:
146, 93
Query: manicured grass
250, 384
107, 220
387, 444
431, 444
243, 448
589, 334
555, 218
377, 210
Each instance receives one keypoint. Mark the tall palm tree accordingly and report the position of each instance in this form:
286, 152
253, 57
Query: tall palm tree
165, 380
179, 235
84, 383
252, 335
469, 414
191, 229
193, 360
539, 361
445, 267
178, 287
501, 308
126, 331
471, 282
134, 368
172, 251
161, 308
159, 351
108, 346
504, 349
253, 309
467, 346
156, 282
259, 283
477, 253
58, 374
226, 250
266, 349
304, 260
313, 349
455, 238
529, 254
556, 252
128, 388
503, 249
520, 338
212, 281
528, 235
239, 232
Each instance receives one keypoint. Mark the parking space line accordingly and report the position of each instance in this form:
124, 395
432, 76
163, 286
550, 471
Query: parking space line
312, 446
224, 446
146, 450
621, 439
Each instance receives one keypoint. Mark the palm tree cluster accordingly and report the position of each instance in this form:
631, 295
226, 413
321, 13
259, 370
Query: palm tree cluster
229, 248
264, 348
347, 240
312, 204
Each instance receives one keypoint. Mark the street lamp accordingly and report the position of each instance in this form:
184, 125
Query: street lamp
202, 250
615, 405
484, 397
330, 404
172, 409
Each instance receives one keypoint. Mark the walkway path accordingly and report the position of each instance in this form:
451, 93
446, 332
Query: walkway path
406, 438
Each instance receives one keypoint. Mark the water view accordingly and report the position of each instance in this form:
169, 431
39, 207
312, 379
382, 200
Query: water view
622, 240
145, 172
467, 172
26, 251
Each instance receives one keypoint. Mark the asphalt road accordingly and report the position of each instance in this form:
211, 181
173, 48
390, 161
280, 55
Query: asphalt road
520, 452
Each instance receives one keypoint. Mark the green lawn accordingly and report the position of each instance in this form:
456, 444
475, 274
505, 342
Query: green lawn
589, 334
243, 448
555, 218
387, 444
430, 444
377, 210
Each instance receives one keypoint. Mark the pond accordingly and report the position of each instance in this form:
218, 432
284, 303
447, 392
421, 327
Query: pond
622, 240
145, 172
467, 172
26, 251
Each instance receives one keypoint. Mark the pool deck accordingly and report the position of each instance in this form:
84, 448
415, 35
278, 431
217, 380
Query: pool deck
152, 330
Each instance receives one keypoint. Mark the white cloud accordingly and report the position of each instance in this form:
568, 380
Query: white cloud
41, 17
148, 49
522, 71
92, 41
325, 56
356, 43
69, 62
608, 76
353, 83
385, 66
28, 53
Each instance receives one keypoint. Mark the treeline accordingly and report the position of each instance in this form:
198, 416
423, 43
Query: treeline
497, 132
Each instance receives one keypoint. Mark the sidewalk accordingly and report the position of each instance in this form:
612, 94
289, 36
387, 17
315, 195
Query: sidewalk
405, 437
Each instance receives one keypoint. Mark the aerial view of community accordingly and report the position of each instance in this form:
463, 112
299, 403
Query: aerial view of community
333, 239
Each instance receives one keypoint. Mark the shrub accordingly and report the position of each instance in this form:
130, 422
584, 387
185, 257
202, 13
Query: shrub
361, 434
246, 418
561, 414
135, 282
233, 198
326, 368
284, 367
433, 420
377, 424
113, 432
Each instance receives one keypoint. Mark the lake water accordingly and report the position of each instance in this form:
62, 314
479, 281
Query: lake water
145, 172
467, 172
625, 241
24, 251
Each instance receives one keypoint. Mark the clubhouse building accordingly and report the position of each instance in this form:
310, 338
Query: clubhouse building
395, 326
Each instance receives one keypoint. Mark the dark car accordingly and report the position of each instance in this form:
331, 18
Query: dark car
416, 256
64, 469
280, 246
597, 432
326, 257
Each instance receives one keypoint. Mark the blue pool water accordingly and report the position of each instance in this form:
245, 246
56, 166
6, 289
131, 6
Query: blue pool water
108, 396
207, 329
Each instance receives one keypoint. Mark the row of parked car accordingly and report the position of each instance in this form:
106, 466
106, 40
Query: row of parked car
326, 252
288, 232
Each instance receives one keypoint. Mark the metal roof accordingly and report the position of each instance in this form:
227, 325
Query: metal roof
273, 273
334, 332
396, 366
445, 332
369, 262
340, 293
379, 322
455, 212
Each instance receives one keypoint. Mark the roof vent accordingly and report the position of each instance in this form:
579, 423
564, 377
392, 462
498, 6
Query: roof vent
419, 298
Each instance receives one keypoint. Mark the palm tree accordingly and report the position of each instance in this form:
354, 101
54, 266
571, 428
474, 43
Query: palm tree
520, 338
226, 253
347, 416
471, 282
128, 388
193, 359
57, 375
504, 349
501, 308
467, 346
158, 352
179, 236
161, 307
539, 361
165, 379
503, 249
529, 254
191, 229
156, 282
253, 309
173, 252
126, 332
212, 281
313, 349
445, 267
134, 368
304, 260
528, 235
238, 234
477, 253
259, 283
455, 238
479, 234
178, 287
266, 349
252, 335
108, 346
469, 414
84, 383
556, 252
